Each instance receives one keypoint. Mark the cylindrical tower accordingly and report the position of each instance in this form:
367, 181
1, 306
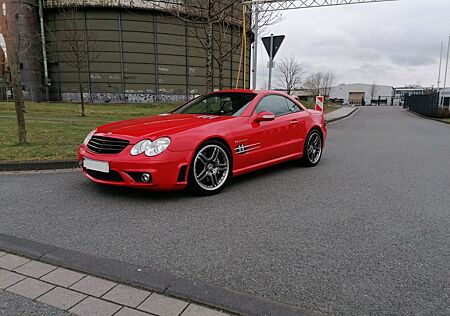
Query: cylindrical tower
136, 52
29, 51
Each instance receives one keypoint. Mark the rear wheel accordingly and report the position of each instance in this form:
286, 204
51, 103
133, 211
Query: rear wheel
312, 152
210, 169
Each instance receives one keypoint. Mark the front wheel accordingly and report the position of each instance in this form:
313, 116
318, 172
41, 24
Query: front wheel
312, 152
210, 169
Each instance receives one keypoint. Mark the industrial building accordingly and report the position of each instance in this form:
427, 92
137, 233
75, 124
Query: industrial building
136, 51
362, 94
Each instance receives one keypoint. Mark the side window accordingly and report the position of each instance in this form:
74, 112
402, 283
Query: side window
292, 106
273, 103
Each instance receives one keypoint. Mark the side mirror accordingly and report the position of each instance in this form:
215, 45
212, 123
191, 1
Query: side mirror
264, 116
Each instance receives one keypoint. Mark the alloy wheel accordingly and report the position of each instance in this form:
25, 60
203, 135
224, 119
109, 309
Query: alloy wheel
211, 167
314, 148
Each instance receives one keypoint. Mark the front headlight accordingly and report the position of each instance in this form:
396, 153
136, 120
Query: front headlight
150, 148
88, 137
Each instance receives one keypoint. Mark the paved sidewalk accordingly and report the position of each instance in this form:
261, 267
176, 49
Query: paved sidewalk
83, 294
340, 114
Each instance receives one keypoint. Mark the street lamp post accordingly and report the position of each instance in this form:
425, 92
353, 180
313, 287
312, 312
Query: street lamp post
446, 64
255, 45
440, 65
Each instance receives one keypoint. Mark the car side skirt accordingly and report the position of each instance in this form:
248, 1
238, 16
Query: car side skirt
266, 164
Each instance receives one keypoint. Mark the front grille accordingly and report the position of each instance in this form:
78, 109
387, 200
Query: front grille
110, 176
106, 145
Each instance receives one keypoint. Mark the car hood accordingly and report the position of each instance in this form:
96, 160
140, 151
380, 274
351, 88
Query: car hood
158, 125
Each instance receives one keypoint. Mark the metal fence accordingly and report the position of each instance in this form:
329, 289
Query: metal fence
423, 104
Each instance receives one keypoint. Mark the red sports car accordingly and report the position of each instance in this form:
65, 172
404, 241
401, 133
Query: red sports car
204, 142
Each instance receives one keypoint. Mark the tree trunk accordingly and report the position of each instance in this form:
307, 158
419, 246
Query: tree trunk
220, 66
80, 86
11, 51
209, 56
19, 104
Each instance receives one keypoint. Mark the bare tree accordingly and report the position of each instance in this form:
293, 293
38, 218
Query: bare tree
78, 46
211, 23
10, 19
328, 81
320, 83
226, 46
373, 91
290, 74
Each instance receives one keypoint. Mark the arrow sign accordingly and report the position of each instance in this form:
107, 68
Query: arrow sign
277, 40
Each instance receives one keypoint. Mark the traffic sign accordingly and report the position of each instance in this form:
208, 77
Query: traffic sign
277, 40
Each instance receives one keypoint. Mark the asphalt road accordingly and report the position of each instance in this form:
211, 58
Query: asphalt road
365, 232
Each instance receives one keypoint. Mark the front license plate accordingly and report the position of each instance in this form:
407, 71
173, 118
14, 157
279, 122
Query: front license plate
102, 166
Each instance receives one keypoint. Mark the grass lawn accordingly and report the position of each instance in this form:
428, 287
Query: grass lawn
327, 108
56, 129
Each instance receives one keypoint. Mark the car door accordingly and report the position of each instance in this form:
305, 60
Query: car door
298, 129
269, 140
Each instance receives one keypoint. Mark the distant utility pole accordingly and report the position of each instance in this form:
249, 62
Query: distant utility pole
440, 65
255, 45
446, 65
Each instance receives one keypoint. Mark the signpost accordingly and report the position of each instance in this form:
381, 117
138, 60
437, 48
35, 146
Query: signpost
272, 45
319, 103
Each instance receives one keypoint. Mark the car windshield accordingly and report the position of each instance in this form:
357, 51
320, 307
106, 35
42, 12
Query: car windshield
219, 103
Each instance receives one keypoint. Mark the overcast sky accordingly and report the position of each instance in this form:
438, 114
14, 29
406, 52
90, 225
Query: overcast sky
391, 43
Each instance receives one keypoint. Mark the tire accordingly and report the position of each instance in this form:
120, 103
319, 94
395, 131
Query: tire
210, 169
313, 148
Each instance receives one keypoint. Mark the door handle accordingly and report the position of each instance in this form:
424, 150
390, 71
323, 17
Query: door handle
294, 122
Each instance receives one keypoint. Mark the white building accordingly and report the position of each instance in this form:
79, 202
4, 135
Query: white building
444, 99
402, 92
354, 94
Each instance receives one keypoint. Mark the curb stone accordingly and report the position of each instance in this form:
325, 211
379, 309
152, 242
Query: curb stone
427, 117
37, 165
341, 117
150, 279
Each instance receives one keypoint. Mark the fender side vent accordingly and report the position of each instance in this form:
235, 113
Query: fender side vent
182, 174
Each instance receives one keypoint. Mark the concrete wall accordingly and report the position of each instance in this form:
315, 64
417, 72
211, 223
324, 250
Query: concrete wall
136, 56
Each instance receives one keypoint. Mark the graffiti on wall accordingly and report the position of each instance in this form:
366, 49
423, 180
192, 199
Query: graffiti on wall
127, 98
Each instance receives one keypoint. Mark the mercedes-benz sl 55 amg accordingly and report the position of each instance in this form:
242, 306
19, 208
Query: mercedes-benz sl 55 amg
204, 142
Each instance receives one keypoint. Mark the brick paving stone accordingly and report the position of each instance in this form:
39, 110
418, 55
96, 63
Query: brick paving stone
11, 262
8, 278
94, 306
126, 295
30, 288
93, 286
63, 277
35, 269
61, 298
163, 305
197, 310
126, 311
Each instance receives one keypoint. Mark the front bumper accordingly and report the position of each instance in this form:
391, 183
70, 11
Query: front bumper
168, 171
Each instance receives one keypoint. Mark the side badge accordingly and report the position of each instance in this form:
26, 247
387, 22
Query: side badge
240, 149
